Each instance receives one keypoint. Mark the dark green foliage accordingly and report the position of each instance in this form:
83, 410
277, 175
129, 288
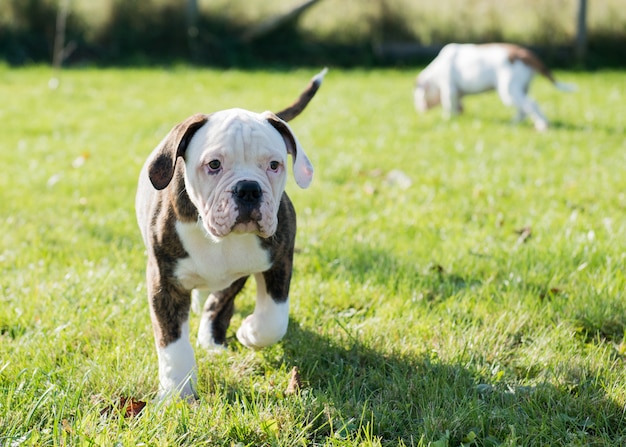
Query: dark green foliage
149, 32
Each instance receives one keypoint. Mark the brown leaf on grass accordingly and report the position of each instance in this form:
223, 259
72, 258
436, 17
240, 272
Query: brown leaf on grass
551, 293
499, 221
524, 233
127, 406
132, 407
67, 428
438, 268
295, 383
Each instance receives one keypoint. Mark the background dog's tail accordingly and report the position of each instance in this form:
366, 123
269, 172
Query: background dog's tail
297, 107
529, 58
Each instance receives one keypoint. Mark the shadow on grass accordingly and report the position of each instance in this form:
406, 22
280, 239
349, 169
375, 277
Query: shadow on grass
353, 389
397, 397
371, 266
582, 127
554, 124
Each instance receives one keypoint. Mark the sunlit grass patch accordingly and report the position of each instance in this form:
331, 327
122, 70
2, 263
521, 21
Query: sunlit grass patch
455, 281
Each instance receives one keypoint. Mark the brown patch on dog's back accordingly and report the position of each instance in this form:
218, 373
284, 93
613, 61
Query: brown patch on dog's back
518, 53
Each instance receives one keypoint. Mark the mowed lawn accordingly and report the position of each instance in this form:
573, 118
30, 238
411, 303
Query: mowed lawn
456, 282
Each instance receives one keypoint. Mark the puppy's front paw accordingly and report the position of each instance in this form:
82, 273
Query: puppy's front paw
257, 334
205, 338
185, 393
211, 347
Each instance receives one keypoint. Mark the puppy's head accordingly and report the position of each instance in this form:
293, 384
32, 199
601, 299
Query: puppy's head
426, 95
235, 168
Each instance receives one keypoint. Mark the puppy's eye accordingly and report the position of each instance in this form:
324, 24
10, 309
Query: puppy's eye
274, 165
214, 166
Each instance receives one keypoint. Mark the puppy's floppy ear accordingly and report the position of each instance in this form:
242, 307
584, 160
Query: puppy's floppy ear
302, 167
161, 167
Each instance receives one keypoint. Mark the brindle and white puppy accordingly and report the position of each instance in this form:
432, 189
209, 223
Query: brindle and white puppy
465, 69
212, 211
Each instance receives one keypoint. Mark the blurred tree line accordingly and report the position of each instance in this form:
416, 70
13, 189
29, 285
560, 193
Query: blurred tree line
147, 32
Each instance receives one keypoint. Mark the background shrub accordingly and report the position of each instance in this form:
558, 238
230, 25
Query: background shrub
334, 32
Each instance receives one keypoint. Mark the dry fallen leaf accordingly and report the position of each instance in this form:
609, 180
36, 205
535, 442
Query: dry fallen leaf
525, 233
437, 268
132, 407
552, 292
295, 382
67, 428
127, 406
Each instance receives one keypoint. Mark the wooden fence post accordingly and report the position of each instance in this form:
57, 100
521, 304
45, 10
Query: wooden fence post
580, 46
191, 16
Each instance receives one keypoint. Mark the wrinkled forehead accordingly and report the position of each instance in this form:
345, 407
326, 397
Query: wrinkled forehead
238, 132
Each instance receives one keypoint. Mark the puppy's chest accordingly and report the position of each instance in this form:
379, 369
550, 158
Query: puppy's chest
215, 265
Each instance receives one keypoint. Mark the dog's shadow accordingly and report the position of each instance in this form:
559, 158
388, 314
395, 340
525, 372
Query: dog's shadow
420, 394
353, 386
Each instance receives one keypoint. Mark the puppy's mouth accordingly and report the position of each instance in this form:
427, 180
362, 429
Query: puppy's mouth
248, 220
247, 227
246, 208
239, 221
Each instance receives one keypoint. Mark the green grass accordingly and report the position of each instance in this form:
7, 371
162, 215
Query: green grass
419, 315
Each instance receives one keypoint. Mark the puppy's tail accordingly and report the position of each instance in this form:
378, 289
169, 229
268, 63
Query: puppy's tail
305, 97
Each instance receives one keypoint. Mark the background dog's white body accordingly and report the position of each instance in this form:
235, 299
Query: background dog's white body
465, 69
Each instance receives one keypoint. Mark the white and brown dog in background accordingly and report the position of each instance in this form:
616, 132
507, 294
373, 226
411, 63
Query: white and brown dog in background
212, 211
465, 69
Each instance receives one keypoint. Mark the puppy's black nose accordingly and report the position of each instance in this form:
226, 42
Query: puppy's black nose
247, 191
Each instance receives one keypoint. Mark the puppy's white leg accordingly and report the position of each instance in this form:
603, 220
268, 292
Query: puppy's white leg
205, 335
205, 331
169, 311
268, 323
216, 315
177, 367
198, 298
